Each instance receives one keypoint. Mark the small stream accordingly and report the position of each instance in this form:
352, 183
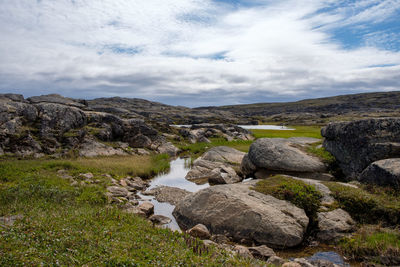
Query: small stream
175, 177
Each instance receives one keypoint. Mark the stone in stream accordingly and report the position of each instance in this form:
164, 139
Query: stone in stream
242, 213
276, 261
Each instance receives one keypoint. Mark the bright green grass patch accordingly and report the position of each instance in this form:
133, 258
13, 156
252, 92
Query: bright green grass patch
373, 243
297, 192
74, 226
300, 131
367, 205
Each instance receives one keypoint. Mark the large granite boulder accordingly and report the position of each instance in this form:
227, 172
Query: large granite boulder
224, 154
280, 155
243, 214
57, 99
357, 144
384, 172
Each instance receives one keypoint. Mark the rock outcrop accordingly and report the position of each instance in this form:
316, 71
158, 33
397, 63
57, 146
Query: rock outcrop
384, 172
224, 154
281, 155
55, 125
357, 144
243, 214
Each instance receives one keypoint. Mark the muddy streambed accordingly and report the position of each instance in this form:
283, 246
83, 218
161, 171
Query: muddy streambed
175, 177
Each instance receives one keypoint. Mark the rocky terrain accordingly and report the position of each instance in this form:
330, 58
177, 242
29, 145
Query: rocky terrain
291, 199
59, 126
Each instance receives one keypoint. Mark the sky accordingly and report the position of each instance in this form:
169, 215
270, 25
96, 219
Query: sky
199, 52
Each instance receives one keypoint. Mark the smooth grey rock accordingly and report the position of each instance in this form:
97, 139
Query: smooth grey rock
384, 172
200, 231
262, 252
334, 225
278, 154
224, 154
169, 194
357, 144
242, 213
291, 264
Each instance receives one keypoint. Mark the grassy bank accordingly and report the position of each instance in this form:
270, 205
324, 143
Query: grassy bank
73, 225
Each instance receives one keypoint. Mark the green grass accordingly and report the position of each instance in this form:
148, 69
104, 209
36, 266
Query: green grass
368, 204
300, 131
297, 192
373, 243
321, 153
74, 226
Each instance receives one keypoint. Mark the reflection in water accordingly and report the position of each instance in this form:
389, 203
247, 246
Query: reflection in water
175, 177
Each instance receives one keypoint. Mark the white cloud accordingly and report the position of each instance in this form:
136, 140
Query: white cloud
189, 47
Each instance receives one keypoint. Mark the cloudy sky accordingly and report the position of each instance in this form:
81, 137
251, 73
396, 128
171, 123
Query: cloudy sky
199, 52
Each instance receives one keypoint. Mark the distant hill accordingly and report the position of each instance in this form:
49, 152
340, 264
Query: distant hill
343, 106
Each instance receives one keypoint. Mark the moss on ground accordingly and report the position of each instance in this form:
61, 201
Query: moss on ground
74, 226
297, 192
373, 243
368, 204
